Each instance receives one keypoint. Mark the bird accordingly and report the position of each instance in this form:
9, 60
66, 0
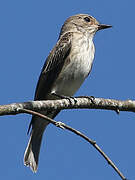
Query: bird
67, 66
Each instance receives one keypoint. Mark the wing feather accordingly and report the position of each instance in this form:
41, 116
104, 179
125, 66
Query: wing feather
53, 66
50, 72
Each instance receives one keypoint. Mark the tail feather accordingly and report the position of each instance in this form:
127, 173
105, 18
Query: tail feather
32, 151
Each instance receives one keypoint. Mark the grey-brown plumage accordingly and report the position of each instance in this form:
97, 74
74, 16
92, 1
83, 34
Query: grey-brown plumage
65, 69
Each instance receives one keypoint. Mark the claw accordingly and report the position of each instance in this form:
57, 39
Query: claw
91, 98
65, 97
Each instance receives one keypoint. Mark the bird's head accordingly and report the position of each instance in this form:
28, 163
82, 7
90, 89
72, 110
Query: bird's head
83, 23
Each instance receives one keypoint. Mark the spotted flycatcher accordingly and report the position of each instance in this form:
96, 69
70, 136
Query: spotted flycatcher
65, 69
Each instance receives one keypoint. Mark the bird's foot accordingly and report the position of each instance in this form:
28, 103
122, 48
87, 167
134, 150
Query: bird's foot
91, 98
65, 97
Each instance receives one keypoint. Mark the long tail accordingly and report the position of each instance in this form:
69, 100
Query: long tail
31, 154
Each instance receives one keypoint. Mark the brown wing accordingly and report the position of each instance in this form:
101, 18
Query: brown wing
50, 72
53, 66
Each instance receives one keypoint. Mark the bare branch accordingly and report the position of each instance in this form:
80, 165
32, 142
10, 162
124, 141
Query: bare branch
64, 126
78, 103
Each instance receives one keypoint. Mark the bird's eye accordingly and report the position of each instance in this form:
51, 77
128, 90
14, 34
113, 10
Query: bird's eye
87, 19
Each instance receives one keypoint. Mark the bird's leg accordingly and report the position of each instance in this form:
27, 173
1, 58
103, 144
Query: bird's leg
64, 97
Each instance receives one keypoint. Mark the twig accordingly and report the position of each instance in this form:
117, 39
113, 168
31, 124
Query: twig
64, 126
79, 103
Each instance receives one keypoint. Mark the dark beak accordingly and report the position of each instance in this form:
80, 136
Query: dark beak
103, 26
